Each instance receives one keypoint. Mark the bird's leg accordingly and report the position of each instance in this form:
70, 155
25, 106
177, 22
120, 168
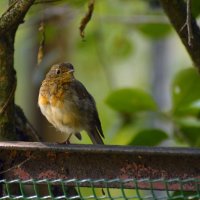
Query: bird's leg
67, 140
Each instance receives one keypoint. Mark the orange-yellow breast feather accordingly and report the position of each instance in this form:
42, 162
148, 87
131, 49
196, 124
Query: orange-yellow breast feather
43, 100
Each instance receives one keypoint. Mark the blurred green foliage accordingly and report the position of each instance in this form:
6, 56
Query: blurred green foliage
155, 31
115, 62
186, 92
149, 137
195, 8
130, 101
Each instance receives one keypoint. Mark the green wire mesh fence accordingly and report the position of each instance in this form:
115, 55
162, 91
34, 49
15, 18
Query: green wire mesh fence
30, 189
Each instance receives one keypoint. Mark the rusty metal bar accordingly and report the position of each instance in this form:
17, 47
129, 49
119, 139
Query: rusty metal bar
25, 160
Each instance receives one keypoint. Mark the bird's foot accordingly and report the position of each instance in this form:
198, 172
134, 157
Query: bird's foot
64, 142
67, 141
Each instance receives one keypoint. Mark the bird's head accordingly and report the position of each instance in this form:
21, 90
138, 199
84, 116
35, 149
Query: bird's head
62, 70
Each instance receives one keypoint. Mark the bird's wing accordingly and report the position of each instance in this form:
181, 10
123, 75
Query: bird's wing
90, 106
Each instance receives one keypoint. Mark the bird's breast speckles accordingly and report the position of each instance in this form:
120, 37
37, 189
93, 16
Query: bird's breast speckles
43, 100
59, 104
57, 100
60, 111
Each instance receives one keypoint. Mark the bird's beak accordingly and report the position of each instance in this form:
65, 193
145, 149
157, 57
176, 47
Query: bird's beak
71, 71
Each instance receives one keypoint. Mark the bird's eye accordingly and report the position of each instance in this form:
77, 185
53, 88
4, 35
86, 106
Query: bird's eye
57, 71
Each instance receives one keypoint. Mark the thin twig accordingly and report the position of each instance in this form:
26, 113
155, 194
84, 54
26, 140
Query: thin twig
40, 55
16, 166
189, 26
188, 23
86, 18
3, 108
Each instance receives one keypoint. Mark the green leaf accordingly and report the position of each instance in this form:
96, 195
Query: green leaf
188, 131
131, 100
195, 8
187, 121
191, 135
155, 31
186, 92
149, 137
120, 46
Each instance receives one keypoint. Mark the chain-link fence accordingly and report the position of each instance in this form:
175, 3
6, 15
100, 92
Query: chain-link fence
30, 189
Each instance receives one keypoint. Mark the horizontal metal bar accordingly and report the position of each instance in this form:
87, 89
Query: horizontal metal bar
25, 160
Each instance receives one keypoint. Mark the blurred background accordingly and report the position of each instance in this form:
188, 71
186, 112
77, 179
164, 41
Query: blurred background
131, 61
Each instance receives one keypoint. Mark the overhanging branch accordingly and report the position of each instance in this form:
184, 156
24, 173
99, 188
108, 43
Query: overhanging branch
177, 13
14, 15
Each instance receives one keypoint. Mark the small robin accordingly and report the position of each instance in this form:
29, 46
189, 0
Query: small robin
67, 104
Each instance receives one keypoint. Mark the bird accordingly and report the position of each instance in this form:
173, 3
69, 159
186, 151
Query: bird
67, 104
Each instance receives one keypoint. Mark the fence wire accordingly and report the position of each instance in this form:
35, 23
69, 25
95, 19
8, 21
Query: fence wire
100, 189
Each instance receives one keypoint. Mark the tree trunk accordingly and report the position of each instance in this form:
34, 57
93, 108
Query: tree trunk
7, 86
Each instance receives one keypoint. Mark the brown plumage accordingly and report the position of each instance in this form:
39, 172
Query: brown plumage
67, 104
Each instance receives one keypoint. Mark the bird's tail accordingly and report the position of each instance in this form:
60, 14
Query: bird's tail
95, 136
